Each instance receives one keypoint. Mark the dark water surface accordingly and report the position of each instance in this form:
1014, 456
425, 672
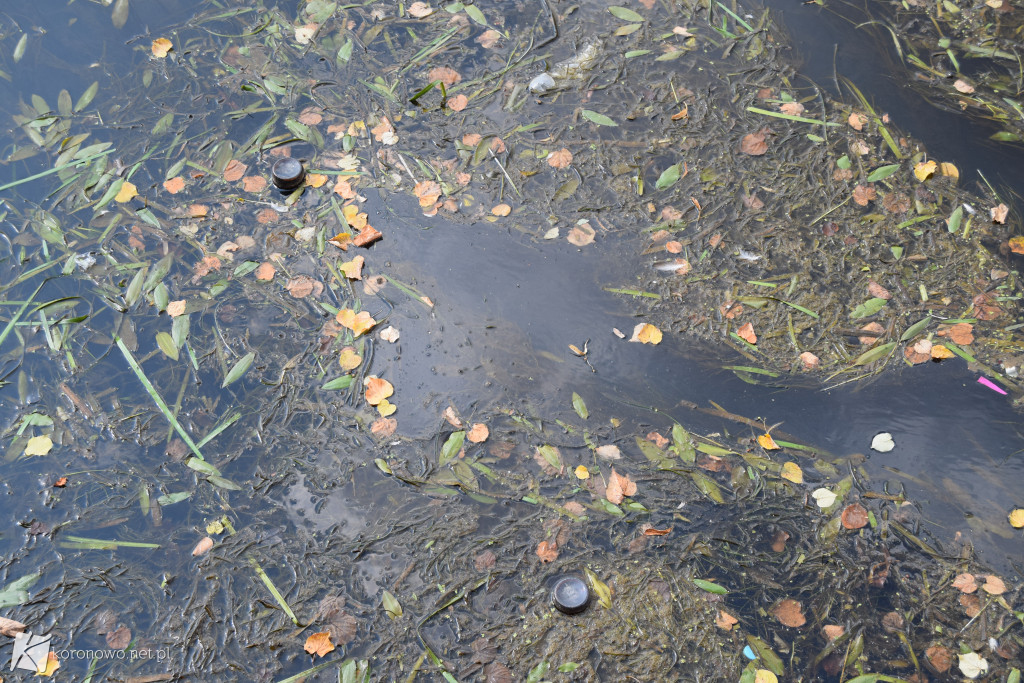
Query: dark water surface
507, 307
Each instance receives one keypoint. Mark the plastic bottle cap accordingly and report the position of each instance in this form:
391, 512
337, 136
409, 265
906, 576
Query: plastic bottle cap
570, 595
288, 173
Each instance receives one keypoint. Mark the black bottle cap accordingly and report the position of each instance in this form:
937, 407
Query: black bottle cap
570, 595
288, 173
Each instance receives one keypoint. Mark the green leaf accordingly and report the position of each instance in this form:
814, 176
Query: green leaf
636, 53
537, 673
16, 592
654, 454
599, 119
179, 330
874, 354
552, 456
19, 49
916, 329
452, 446
683, 444
953, 222
669, 177
476, 15
710, 587
625, 14
567, 189
238, 369
391, 605
202, 466
707, 486
844, 162
579, 406
883, 172
172, 498
764, 651
166, 344
221, 482
610, 507
869, 307
343, 382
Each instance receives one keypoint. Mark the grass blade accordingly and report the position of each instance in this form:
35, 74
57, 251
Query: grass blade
790, 117
273, 590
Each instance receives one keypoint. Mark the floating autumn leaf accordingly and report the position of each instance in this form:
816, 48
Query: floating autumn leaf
38, 445
746, 332
648, 529
199, 210
725, 621
420, 10
824, 498
878, 291
939, 657
160, 47
386, 408
998, 213
458, 103
478, 433
582, 472
304, 34
125, 194
302, 286
547, 551
359, 323
832, 631
949, 170
427, 191
994, 585
311, 116
341, 240
445, 74
61, 482
791, 471
972, 665
809, 360
792, 108
254, 183
619, 487
501, 210
174, 185
925, 169
52, 664
389, 334
857, 121
767, 442
862, 194
765, 676
581, 234
790, 613
646, 333
1016, 244
919, 352
611, 452
377, 389
452, 417
319, 644
234, 170
560, 159
367, 236
353, 269
854, 516
963, 86
488, 39
1017, 518
755, 144
960, 333
779, 541
940, 352
882, 442
203, 547
965, 583
355, 218
384, 427
175, 308
349, 359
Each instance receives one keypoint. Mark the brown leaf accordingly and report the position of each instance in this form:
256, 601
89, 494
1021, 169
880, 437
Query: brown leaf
234, 170
445, 74
862, 194
384, 427
869, 339
725, 621
478, 433
832, 631
993, 585
960, 333
965, 583
311, 116
485, 560
560, 159
496, 672
940, 658
427, 191
302, 286
790, 613
174, 185
674, 247
119, 638
878, 291
342, 628
265, 271
809, 360
10, 627
657, 439
971, 605
458, 103
420, 9
367, 236
999, 213
353, 269
857, 121
176, 308
746, 332
319, 644
202, 547
501, 210
581, 235
792, 108
855, 516
547, 551
254, 183
452, 417
779, 541
488, 38
755, 144
619, 487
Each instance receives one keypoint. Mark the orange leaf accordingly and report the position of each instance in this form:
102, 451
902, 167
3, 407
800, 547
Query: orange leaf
343, 188
317, 180
427, 191
547, 551
862, 194
478, 433
302, 286
445, 74
199, 210
725, 621
265, 271
52, 664
857, 121
202, 547
790, 613
619, 487
384, 426
746, 332
160, 47
367, 236
767, 442
1016, 244
174, 185
560, 159
234, 170
501, 210
311, 116
319, 644
999, 213
651, 531
581, 235
458, 103
809, 360
61, 483
377, 389
125, 194
254, 183
341, 240
175, 308
755, 144
646, 333
960, 333
965, 583
854, 516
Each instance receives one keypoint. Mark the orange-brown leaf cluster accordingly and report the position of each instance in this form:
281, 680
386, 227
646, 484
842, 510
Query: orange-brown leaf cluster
359, 323
960, 333
863, 194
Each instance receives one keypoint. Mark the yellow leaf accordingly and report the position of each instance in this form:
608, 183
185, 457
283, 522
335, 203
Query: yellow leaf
353, 269
1017, 518
646, 333
582, 472
792, 472
767, 442
160, 47
126, 193
357, 322
940, 352
316, 179
355, 219
765, 676
38, 445
349, 359
386, 408
215, 527
924, 170
52, 664
948, 169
